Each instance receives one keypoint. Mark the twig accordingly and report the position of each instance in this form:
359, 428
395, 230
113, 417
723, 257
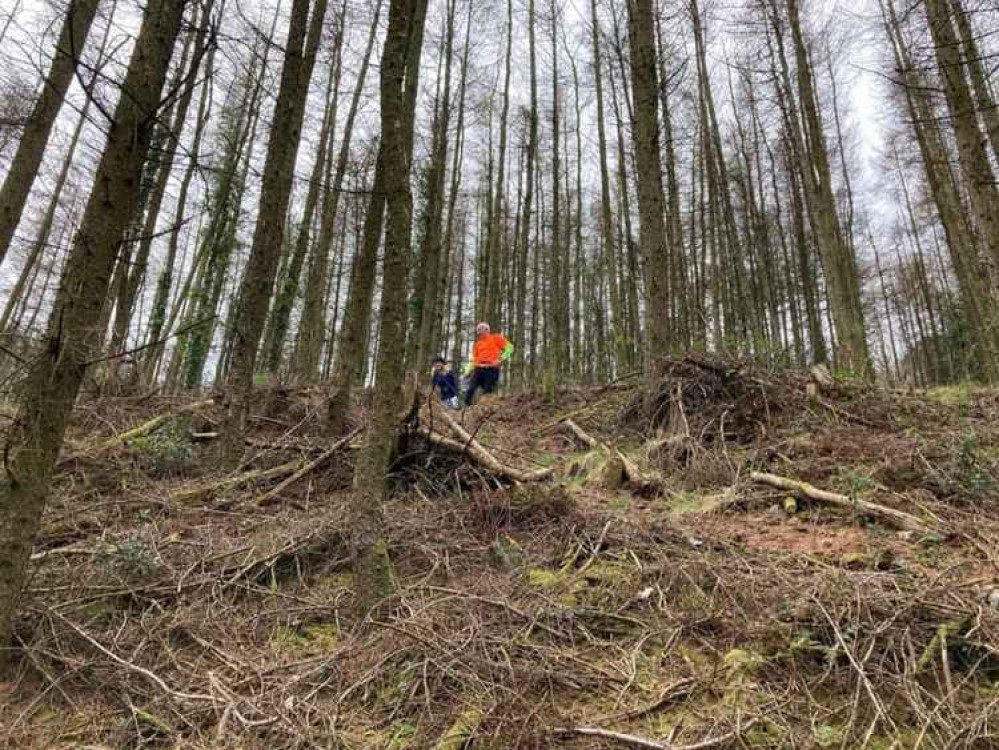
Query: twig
155, 679
670, 694
634, 741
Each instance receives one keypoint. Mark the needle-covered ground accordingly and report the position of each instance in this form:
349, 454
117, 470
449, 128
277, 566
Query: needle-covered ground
649, 587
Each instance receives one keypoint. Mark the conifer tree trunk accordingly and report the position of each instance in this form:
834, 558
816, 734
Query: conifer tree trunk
427, 276
312, 323
136, 273
520, 324
164, 283
648, 158
399, 74
973, 58
352, 353
72, 340
31, 148
277, 331
962, 245
979, 177
609, 247
249, 314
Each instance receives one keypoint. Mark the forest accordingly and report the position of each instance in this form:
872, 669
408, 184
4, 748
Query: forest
499, 374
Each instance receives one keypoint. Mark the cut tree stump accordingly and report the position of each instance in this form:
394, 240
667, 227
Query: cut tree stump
619, 469
896, 518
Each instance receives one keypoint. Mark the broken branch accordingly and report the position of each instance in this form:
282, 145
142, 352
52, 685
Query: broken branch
896, 518
269, 497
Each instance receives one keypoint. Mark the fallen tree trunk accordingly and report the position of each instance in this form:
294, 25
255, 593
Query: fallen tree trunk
483, 457
896, 518
269, 497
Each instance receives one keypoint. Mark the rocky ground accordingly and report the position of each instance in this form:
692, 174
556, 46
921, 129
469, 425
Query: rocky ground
646, 584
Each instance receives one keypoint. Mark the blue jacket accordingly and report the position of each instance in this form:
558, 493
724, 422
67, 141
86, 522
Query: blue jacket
446, 383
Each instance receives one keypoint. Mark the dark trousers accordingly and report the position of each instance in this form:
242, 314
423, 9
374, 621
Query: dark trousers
483, 379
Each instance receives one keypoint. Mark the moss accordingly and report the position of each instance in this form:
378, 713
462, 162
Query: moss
557, 584
395, 685
375, 581
542, 579
506, 554
335, 582
829, 735
740, 661
317, 638
461, 731
766, 734
620, 504
741, 666
400, 737
685, 502
953, 395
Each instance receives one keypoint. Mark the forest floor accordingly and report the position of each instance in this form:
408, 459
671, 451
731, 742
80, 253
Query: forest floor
652, 591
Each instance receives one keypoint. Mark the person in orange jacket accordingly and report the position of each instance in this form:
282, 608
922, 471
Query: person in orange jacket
490, 352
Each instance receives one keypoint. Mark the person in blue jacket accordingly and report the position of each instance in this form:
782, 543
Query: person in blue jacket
445, 382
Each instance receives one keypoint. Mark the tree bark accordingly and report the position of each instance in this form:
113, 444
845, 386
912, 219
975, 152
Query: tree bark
648, 157
399, 74
248, 316
72, 340
31, 148
312, 323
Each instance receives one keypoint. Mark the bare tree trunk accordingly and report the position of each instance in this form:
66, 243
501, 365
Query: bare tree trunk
72, 342
973, 156
399, 73
249, 314
973, 58
520, 324
427, 276
609, 249
136, 274
312, 323
963, 246
648, 156
277, 331
31, 148
161, 298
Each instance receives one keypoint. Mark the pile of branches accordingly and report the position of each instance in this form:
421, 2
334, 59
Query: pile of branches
713, 400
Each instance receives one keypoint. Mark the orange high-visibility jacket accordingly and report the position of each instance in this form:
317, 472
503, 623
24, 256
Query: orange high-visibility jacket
487, 350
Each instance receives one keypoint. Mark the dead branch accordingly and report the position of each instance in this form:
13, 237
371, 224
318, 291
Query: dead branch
136, 432
670, 694
482, 457
634, 741
232, 482
896, 518
151, 676
270, 496
475, 449
581, 435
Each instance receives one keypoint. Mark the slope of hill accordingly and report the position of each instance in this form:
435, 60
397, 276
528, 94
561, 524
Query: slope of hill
647, 584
